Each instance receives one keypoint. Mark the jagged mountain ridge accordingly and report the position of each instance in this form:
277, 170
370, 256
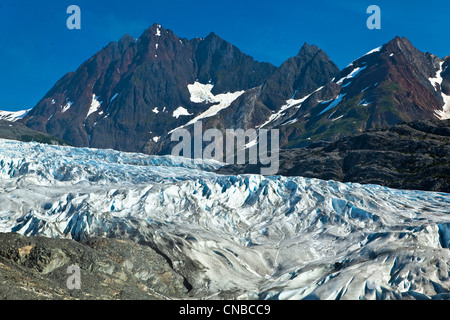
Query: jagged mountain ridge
391, 84
294, 79
132, 94
127, 93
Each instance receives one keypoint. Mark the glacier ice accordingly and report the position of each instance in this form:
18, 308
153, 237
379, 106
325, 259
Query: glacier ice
247, 236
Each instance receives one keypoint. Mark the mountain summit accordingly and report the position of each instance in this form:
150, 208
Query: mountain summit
133, 93
391, 84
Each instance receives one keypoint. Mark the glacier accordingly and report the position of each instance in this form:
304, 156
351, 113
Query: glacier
235, 237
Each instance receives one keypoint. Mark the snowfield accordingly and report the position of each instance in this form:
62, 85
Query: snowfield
246, 237
13, 115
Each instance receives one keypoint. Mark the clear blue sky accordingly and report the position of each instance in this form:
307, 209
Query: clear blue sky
36, 48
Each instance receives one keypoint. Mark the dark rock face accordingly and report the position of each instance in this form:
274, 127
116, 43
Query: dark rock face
36, 268
298, 76
412, 155
294, 79
223, 64
125, 95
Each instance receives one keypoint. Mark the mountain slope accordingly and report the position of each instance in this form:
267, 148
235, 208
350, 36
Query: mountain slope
133, 94
310, 69
389, 85
134, 91
17, 131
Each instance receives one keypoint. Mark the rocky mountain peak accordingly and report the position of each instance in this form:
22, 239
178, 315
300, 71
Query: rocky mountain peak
391, 84
226, 66
131, 92
308, 50
130, 95
125, 42
299, 76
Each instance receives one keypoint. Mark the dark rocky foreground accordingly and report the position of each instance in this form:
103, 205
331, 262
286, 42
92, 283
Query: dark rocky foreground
412, 156
36, 268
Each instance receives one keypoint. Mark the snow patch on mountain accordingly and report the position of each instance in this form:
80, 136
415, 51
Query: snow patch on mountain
66, 107
180, 111
201, 93
334, 104
95, 105
363, 103
351, 75
221, 101
289, 104
378, 49
445, 112
113, 97
436, 82
373, 51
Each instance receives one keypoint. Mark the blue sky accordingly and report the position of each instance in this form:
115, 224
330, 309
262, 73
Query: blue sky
37, 49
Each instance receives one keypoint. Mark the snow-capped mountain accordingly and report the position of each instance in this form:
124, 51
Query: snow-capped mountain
391, 84
243, 236
136, 90
133, 93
